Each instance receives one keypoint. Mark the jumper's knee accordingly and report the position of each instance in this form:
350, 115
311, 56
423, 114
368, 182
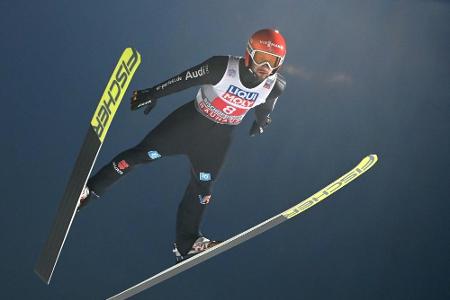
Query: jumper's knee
153, 155
125, 161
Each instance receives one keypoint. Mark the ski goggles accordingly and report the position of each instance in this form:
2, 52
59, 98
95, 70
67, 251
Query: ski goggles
260, 58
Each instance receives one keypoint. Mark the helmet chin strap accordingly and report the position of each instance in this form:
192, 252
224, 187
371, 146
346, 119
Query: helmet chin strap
250, 68
252, 76
255, 76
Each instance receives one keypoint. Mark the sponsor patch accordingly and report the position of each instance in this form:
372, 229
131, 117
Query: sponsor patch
208, 110
198, 73
169, 82
231, 72
268, 83
270, 44
205, 176
153, 154
123, 165
241, 94
117, 168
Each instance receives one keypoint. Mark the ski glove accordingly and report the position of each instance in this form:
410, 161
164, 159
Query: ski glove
258, 128
142, 98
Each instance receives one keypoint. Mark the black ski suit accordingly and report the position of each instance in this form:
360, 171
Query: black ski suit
186, 131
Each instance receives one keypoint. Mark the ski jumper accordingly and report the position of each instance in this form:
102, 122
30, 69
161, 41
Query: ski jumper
202, 129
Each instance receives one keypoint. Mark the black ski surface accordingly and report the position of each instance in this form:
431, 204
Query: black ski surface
103, 116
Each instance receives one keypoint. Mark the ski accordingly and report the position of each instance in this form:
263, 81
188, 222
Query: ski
362, 167
100, 122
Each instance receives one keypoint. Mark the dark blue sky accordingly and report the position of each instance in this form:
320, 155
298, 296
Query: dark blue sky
362, 77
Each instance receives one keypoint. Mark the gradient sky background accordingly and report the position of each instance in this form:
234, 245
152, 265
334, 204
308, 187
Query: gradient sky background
362, 77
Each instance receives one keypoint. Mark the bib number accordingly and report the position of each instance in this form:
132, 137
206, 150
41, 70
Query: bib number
229, 109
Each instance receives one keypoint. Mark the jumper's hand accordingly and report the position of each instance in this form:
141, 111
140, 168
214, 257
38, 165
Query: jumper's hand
255, 129
258, 128
141, 99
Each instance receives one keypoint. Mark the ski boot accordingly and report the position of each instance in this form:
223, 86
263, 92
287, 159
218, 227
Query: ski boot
85, 197
200, 245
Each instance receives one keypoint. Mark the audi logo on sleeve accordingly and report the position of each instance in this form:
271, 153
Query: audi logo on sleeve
228, 101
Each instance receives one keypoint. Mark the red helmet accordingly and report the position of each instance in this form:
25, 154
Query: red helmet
266, 46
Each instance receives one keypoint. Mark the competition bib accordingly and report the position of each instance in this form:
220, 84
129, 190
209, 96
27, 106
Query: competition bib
228, 101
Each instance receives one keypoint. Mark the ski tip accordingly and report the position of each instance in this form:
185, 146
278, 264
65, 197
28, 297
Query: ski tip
368, 162
373, 156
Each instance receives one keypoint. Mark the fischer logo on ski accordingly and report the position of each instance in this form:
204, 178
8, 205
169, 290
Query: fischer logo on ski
364, 165
114, 92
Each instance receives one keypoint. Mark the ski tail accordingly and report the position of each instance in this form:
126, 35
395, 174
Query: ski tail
99, 125
342, 181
